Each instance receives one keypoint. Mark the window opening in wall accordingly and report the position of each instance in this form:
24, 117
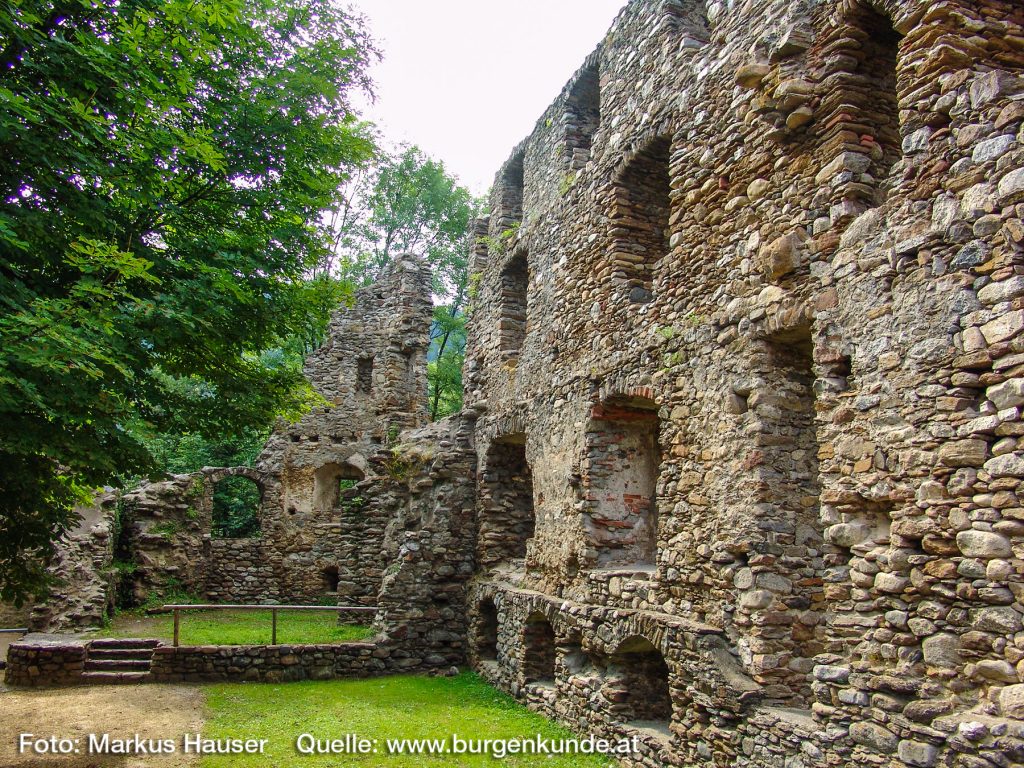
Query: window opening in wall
877, 71
640, 220
624, 459
582, 115
790, 494
329, 481
236, 508
539, 650
864, 102
506, 496
515, 280
330, 578
688, 17
487, 631
637, 685
364, 374
510, 211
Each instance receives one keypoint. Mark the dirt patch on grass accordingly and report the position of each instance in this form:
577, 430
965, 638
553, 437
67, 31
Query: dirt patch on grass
152, 711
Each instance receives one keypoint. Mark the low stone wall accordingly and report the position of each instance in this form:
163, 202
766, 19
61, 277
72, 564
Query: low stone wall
267, 663
52, 660
579, 673
239, 571
41, 660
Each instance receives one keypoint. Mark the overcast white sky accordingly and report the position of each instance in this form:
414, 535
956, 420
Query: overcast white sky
467, 79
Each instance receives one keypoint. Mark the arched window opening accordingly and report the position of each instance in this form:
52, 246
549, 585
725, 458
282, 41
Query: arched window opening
637, 685
236, 508
582, 115
789, 493
330, 481
510, 194
330, 579
507, 519
624, 461
487, 631
539, 650
364, 375
515, 282
640, 220
861, 108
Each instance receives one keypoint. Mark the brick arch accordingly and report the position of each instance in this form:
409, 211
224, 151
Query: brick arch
626, 629
623, 390
212, 476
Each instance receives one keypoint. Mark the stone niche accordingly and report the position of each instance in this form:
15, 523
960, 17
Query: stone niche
622, 466
507, 519
639, 218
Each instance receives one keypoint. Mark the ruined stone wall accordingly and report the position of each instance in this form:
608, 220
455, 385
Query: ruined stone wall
84, 578
781, 265
162, 529
12, 617
427, 492
371, 370
316, 542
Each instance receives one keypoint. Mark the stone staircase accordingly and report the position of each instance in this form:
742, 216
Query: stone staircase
118, 661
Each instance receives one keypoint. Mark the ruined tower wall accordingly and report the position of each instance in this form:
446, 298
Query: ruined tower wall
772, 249
317, 538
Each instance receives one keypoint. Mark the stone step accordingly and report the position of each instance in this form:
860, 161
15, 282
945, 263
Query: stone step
129, 654
117, 665
123, 643
114, 678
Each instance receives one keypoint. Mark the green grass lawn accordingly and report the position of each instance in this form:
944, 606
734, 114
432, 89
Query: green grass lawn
402, 707
238, 627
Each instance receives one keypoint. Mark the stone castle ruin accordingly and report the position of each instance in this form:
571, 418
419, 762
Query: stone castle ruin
740, 461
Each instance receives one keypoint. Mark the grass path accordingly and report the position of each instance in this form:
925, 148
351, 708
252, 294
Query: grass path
403, 707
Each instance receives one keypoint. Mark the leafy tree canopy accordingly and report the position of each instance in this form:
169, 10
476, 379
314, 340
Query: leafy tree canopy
163, 166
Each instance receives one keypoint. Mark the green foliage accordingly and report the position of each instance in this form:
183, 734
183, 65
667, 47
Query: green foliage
403, 464
406, 203
162, 173
167, 530
123, 567
566, 183
173, 592
674, 359
444, 371
236, 506
392, 435
498, 246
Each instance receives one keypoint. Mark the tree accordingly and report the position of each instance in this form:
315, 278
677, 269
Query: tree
408, 203
163, 166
